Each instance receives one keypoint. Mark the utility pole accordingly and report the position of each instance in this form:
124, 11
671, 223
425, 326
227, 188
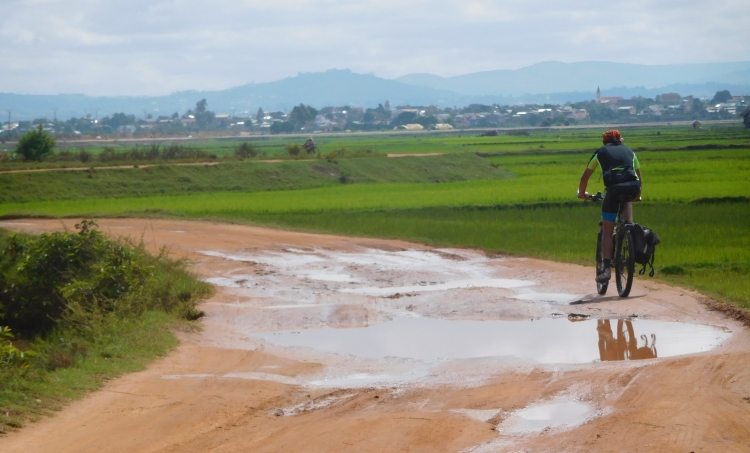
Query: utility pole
55, 116
8, 124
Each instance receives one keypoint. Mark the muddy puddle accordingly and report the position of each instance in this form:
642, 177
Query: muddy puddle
552, 415
546, 341
380, 318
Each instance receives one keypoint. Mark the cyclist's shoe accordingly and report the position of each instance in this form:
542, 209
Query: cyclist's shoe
604, 276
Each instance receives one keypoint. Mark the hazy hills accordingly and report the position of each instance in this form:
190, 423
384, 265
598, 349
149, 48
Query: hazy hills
556, 77
549, 82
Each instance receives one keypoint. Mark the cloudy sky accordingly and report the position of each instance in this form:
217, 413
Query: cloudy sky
150, 47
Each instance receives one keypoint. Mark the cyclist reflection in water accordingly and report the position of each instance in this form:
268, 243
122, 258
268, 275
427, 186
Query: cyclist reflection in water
625, 345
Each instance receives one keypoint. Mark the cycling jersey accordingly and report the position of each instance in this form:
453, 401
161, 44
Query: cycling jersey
618, 163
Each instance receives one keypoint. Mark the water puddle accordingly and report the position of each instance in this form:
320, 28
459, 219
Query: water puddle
309, 406
333, 277
546, 341
457, 284
553, 415
558, 298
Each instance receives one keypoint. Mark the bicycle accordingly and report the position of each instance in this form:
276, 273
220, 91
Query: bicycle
623, 259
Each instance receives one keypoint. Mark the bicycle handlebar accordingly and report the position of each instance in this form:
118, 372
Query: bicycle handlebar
596, 197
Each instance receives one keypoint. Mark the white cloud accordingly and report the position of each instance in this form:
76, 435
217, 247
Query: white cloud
159, 46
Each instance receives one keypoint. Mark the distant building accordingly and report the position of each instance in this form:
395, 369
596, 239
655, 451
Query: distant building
606, 100
409, 127
576, 114
697, 124
443, 126
746, 117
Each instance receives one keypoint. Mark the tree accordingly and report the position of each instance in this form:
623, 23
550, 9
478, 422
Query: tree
200, 106
302, 114
721, 96
203, 116
404, 118
35, 144
279, 127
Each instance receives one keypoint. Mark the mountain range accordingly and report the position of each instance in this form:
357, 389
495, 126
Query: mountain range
549, 82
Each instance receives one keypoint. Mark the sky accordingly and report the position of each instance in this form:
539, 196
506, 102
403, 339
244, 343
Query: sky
154, 47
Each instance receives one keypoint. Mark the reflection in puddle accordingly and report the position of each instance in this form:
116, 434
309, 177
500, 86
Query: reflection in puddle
542, 341
623, 345
565, 414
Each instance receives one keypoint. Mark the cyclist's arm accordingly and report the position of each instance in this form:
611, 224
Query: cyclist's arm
584, 182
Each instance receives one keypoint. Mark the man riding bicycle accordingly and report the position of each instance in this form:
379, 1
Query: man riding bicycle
622, 176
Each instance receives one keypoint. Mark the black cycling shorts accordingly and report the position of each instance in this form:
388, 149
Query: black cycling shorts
612, 198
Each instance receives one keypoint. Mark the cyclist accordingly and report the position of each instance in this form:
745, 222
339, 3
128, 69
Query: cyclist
622, 176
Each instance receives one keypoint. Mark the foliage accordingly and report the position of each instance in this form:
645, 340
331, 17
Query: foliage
119, 304
404, 118
73, 278
293, 149
282, 127
302, 114
35, 144
9, 354
45, 276
245, 150
146, 153
721, 96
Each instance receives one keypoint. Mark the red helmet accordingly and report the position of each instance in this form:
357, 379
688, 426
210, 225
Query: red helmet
612, 136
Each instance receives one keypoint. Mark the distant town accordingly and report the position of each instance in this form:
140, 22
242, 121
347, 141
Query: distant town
306, 119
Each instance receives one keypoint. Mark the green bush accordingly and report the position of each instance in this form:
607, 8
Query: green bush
245, 150
75, 278
35, 144
293, 149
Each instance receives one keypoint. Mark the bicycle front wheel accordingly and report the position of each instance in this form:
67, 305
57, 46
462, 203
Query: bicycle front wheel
624, 262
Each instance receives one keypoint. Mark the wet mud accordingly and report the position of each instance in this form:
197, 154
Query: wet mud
326, 343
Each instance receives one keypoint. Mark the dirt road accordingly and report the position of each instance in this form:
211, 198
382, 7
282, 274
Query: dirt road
318, 343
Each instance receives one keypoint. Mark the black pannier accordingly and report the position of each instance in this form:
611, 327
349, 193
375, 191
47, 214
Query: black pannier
645, 241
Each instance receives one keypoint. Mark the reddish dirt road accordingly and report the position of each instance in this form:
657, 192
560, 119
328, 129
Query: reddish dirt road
230, 388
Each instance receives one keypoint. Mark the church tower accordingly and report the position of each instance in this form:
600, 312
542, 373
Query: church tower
598, 96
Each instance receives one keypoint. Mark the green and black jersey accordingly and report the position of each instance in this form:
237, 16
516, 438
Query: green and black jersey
618, 163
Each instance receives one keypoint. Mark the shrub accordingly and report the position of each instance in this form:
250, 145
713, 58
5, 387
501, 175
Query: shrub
246, 150
108, 154
293, 149
9, 354
84, 156
76, 278
35, 144
351, 153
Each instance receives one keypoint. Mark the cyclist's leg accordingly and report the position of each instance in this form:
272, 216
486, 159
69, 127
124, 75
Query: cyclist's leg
610, 205
607, 229
634, 190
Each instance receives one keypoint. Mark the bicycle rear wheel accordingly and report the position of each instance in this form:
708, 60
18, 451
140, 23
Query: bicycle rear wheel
601, 288
624, 262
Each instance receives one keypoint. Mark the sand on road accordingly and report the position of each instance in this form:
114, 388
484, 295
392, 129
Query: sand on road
284, 361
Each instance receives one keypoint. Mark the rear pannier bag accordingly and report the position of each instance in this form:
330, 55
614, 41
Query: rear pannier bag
645, 241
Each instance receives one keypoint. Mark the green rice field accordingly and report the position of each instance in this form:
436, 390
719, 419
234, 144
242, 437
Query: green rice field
509, 194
